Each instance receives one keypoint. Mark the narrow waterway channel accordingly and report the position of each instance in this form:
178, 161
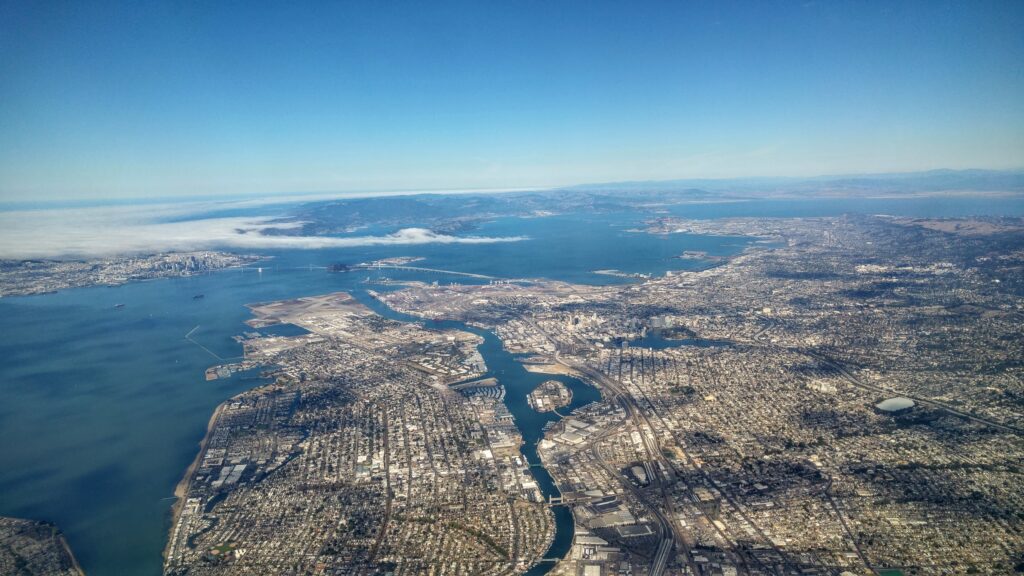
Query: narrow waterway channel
518, 383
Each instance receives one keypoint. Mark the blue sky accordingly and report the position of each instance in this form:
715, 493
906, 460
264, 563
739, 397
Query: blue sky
114, 100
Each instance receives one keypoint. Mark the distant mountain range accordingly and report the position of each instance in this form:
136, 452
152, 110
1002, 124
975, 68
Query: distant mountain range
858, 185
460, 213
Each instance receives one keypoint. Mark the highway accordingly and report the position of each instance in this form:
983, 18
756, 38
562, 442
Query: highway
633, 413
628, 403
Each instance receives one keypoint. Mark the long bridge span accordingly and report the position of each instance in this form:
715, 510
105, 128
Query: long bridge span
421, 269
376, 266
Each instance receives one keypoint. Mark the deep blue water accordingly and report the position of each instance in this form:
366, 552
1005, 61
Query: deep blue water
103, 408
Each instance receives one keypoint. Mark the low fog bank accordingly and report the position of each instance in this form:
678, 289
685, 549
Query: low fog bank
130, 230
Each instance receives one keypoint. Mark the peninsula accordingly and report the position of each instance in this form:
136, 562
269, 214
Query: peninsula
359, 457
20, 277
35, 548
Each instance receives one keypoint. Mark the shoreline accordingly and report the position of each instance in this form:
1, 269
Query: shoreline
22, 292
183, 485
71, 555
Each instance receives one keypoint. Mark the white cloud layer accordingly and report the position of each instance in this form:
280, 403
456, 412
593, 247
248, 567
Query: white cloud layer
123, 230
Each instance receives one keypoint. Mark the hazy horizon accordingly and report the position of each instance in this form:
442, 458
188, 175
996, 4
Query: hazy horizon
289, 196
109, 100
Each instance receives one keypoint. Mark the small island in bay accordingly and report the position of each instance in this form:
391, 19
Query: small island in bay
550, 395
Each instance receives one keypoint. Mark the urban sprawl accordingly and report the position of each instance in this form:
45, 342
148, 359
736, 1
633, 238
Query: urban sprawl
844, 397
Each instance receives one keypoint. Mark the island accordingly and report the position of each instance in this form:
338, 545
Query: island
550, 395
